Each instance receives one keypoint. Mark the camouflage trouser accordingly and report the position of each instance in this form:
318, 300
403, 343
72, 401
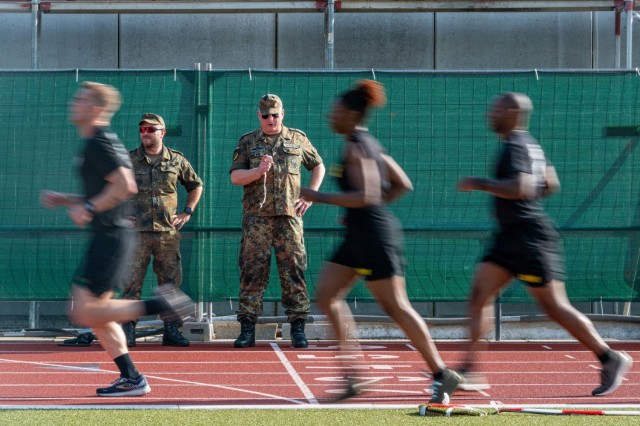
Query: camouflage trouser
259, 235
167, 264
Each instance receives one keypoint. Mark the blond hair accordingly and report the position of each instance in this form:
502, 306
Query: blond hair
103, 96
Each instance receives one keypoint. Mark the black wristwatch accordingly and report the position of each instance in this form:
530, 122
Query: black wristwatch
89, 207
188, 211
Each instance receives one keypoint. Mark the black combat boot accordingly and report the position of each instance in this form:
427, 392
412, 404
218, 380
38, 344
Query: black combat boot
129, 329
247, 337
172, 336
298, 338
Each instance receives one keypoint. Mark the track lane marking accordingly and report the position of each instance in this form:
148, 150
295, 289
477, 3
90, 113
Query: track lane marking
294, 375
188, 382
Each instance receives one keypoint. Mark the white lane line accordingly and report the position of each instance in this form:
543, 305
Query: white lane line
385, 391
569, 356
372, 406
207, 407
294, 375
546, 347
90, 368
187, 382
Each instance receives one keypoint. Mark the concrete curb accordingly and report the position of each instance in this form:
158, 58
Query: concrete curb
317, 328
512, 328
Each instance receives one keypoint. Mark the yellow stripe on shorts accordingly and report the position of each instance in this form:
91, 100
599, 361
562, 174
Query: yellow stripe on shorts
530, 278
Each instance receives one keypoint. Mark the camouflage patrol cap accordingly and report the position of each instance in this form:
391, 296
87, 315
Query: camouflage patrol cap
270, 104
152, 119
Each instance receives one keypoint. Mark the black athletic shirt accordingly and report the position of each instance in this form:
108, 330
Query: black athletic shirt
520, 154
370, 216
103, 153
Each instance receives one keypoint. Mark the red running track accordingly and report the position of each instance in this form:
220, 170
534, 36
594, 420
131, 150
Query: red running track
273, 374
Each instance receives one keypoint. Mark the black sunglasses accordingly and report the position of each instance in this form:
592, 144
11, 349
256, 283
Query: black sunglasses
265, 116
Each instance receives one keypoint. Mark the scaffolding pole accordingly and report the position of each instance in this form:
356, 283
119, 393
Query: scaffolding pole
628, 8
329, 34
35, 34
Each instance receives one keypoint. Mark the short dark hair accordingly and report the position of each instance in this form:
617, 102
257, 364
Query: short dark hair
520, 102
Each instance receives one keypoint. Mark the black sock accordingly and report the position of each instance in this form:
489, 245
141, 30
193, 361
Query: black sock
155, 306
438, 376
126, 367
605, 356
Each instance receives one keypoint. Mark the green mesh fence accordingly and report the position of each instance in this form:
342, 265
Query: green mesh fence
434, 125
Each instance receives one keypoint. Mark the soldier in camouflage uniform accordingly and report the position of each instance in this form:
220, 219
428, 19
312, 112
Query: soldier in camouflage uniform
158, 170
267, 163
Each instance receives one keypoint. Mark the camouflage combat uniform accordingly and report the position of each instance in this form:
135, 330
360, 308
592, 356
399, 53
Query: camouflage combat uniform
155, 203
276, 223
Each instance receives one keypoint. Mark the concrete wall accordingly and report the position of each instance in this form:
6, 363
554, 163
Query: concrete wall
441, 41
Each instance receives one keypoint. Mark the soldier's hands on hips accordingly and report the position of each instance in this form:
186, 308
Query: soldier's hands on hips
302, 205
265, 164
179, 220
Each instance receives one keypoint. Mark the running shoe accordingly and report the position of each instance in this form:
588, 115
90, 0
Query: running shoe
353, 389
179, 305
612, 373
442, 389
473, 382
126, 387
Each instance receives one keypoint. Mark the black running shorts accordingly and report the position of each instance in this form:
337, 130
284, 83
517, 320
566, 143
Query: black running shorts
531, 251
375, 257
108, 261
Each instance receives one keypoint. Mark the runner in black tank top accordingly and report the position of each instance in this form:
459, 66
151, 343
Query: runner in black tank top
372, 247
108, 184
527, 245
373, 240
